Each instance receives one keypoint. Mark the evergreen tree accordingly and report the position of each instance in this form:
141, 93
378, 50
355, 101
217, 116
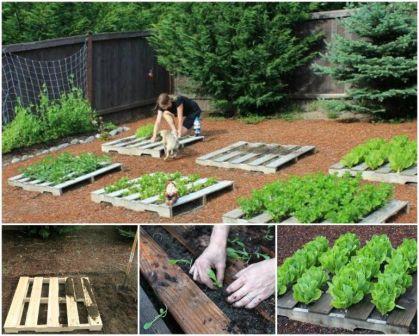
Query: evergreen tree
380, 63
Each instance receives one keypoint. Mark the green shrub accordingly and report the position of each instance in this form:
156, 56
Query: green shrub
145, 131
48, 120
49, 231
242, 55
380, 64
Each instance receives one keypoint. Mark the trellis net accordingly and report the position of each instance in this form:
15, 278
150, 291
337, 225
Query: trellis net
24, 78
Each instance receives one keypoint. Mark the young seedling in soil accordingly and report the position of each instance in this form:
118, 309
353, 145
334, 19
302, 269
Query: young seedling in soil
242, 254
162, 313
214, 279
181, 261
269, 235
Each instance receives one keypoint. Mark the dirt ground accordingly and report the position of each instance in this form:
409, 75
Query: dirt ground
97, 252
291, 238
331, 138
242, 320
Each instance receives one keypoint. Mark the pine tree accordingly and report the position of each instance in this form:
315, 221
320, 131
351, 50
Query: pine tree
380, 63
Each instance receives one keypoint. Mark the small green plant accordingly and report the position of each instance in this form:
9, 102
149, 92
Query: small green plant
214, 279
270, 230
252, 119
181, 261
145, 131
162, 314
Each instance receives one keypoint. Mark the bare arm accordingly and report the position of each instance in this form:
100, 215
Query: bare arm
157, 125
180, 119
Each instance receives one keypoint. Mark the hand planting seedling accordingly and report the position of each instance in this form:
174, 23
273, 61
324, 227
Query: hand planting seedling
162, 313
214, 279
181, 261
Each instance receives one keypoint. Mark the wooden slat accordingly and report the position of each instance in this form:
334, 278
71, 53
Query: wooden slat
222, 150
322, 306
53, 303
228, 156
262, 159
286, 300
34, 303
412, 171
244, 158
72, 312
182, 297
90, 301
16, 308
361, 310
384, 213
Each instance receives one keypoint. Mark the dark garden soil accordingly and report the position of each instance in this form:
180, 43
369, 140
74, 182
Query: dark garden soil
331, 138
291, 238
96, 252
242, 320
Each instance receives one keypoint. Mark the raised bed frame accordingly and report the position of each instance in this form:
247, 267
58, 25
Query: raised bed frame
184, 204
31, 184
360, 316
143, 146
82, 293
381, 174
378, 216
260, 157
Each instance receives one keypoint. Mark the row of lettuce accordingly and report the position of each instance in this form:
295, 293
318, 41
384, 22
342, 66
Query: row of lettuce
348, 272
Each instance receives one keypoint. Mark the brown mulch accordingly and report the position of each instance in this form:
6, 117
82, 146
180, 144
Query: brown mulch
331, 138
291, 238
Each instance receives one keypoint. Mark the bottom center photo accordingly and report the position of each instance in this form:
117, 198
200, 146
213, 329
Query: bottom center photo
207, 279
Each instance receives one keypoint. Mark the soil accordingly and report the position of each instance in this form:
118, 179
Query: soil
242, 320
291, 238
331, 138
96, 252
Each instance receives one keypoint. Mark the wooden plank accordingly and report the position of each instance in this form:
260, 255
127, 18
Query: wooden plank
34, 303
289, 157
412, 171
361, 310
381, 215
204, 317
244, 158
147, 314
262, 159
222, 150
228, 156
286, 300
16, 308
53, 303
322, 306
93, 315
71, 304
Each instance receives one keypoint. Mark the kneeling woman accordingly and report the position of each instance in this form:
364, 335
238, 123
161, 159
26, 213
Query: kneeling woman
186, 110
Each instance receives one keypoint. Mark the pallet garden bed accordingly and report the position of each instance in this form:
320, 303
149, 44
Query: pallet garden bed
146, 193
350, 286
317, 198
57, 175
53, 305
171, 283
266, 158
143, 146
392, 161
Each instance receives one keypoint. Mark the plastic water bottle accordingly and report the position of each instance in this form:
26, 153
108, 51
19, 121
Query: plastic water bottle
197, 126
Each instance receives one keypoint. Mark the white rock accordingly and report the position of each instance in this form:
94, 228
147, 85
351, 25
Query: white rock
89, 139
125, 128
24, 157
97, 136
45, 151
64, 145
15, 160
74, 141
30, 156
113, 132
53, 149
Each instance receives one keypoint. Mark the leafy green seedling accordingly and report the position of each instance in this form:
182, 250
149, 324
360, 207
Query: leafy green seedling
269, 235
262, 255
214, 279
180, 261
162, 313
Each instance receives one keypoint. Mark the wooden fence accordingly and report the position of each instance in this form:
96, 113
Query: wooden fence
122, 70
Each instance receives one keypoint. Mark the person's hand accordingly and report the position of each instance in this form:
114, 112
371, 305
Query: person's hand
153, 138
214, 256
253, 284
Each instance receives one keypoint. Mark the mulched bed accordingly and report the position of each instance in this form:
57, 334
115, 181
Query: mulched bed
331, 138
290, 238
243, 320
96, 252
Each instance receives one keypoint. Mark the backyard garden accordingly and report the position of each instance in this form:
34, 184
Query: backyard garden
310, 115
40, 265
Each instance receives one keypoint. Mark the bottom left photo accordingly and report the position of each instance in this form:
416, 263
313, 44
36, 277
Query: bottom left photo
72, 278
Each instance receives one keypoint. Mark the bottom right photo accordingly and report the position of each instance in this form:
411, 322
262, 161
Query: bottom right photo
347, 279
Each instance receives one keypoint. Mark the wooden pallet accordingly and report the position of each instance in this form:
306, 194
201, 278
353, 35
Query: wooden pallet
36, 310
266, 158
187, 303
143, 146
360, 316
184, 204
31, 184
382, 174
378, 216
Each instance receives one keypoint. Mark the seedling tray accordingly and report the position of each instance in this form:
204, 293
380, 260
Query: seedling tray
381, 174
362, 315
37, 301
31, 184
378, 216
261, 157
184, 204
143, 146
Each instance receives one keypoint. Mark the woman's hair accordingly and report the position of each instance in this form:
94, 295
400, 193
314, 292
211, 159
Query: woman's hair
162, 101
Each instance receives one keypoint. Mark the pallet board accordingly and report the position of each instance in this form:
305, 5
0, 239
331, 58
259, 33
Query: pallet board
363, 315
31, 184
378, 216
184, 204
261, 157
187, 303
36, 306
143, 146
381, 174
